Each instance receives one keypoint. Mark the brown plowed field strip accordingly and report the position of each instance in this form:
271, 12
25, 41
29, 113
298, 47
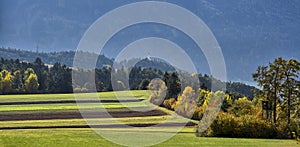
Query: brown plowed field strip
69, 101
76, 114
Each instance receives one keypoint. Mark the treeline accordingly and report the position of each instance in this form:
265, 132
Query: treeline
57, 78
238, 118
35, 77
235, 89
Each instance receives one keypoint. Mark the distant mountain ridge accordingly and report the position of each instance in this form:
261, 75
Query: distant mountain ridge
66, 58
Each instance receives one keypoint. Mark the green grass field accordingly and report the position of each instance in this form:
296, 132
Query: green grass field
15, 133
140, 94
86, 137
49, 107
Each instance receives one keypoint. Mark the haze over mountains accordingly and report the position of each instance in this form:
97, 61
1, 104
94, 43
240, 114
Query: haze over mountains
250, 33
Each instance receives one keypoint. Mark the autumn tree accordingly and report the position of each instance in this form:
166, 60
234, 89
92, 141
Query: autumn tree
242, 107
158, 91
187, 102
5, 82
216, 98
31, 84
27, 73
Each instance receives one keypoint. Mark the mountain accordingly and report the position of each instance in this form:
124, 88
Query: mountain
250, 33
67, 57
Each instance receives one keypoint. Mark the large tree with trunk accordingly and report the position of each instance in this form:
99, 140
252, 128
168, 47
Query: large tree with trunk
280, 84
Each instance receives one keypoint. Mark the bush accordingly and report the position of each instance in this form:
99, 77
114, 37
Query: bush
227, 125
298, 132
169, 103
198, 114
242, 107
80, 90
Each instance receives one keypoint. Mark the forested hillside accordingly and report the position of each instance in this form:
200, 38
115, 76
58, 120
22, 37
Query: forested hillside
65, 57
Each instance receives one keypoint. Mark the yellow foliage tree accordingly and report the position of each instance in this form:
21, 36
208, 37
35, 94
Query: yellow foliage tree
5, 81
31, 83
186, 104
158, 91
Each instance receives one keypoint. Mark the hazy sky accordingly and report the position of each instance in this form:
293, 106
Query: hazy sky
250, 33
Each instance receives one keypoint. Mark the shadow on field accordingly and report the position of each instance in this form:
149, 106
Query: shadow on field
76, 115
103, 126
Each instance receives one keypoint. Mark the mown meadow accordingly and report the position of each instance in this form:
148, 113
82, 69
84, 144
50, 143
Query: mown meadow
47, 119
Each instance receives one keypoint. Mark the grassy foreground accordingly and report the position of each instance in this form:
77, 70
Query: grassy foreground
86, 136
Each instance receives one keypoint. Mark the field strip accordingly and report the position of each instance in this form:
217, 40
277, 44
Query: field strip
76, 114
163, 121
103, 126
62, 106
186, 129
125, 95
122, 120
70, 101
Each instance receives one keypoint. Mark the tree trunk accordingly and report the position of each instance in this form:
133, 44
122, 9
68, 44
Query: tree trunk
274, 107
289, 112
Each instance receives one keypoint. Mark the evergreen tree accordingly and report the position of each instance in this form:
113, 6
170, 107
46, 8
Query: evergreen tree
17, 81
41, 72
173, 84
278, 81
61, 80
144, 84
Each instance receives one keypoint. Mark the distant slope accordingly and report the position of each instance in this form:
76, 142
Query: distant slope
235, 89
65, 57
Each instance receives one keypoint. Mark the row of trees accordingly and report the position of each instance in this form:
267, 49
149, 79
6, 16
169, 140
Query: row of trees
237, 117
57, 79
36, 77
16, 82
